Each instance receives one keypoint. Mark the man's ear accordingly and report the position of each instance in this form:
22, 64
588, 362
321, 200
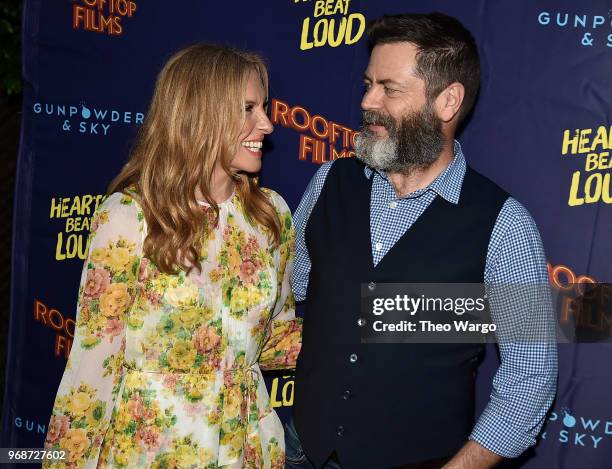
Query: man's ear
448, 102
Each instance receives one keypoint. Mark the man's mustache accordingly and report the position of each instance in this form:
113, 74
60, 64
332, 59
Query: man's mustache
376, 118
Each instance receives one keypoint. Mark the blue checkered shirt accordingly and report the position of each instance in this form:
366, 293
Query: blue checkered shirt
525, 382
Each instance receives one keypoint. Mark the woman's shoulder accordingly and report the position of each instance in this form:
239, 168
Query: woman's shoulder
121, 207
119, 200
284, 215
277, 200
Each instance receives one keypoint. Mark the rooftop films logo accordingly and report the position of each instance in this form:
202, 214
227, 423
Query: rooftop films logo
321, 139
102, 16
573, 430
85, 119
592, 30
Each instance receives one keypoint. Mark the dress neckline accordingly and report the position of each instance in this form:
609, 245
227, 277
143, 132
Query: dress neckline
220, 204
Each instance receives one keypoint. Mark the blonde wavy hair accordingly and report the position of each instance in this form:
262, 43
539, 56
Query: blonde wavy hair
193, 124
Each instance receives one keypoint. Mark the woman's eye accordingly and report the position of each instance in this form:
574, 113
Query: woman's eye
249, 108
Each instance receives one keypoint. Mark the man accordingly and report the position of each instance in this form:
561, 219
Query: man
408, 209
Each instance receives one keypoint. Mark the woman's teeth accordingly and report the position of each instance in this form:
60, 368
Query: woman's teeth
253, 146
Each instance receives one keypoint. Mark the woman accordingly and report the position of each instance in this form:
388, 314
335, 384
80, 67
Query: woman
186, 288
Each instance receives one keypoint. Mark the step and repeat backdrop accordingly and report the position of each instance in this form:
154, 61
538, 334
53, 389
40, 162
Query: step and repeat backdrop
541, 129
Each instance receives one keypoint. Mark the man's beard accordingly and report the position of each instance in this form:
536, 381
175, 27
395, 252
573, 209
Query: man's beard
414, 143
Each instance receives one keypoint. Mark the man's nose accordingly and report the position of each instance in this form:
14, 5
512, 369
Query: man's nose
371, 100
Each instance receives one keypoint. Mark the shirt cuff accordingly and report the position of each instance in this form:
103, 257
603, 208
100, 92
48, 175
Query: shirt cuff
500, 436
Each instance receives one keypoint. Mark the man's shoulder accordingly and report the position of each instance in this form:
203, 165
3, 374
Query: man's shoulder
341, 167
334, 168
479, 187
483, 180
347, 162
514, 216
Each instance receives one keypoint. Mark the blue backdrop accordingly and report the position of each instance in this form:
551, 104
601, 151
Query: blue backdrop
541, 129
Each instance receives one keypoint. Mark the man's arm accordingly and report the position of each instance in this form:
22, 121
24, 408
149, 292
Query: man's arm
473, 456
301, 272
525, 383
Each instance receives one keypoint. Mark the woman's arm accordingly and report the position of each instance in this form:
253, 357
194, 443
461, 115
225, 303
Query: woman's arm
92, 378
285, 337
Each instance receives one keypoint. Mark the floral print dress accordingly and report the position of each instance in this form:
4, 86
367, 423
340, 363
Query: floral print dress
164, 371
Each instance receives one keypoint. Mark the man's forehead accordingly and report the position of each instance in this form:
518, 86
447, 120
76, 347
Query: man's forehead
392, 61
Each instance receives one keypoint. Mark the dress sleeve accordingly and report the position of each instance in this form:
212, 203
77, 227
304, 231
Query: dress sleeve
93, 374
285, 336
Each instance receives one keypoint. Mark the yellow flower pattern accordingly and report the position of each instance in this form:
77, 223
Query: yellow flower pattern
164, 370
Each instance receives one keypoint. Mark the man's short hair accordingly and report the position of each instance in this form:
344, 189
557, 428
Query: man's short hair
447, 51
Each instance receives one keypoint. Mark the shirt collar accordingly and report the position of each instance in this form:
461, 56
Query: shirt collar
446, 185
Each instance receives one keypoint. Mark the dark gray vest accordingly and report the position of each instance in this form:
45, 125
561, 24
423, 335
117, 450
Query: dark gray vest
388, 404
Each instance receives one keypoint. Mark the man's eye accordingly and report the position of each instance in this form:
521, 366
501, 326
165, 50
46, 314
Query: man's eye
390, 91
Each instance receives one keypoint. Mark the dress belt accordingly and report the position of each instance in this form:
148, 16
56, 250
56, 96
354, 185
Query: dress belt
247, 377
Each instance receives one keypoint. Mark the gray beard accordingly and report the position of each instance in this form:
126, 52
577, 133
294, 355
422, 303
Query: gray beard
415, 143
378, 153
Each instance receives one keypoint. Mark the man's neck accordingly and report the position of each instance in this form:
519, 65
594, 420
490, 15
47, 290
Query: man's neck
406, 183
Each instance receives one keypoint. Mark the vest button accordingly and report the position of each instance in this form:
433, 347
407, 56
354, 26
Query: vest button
340, 430
346, 394
353, 357
361, 322
371, 286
